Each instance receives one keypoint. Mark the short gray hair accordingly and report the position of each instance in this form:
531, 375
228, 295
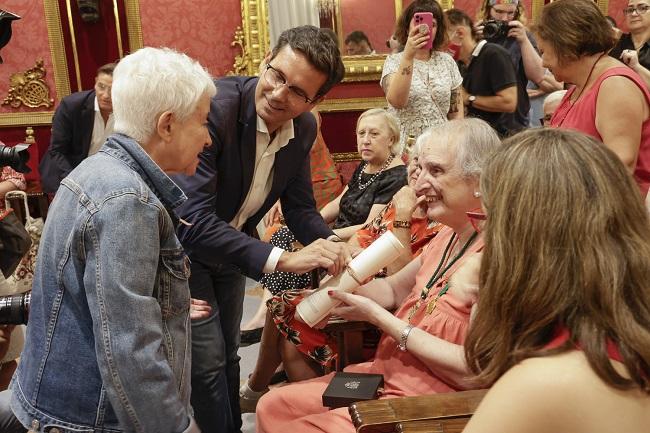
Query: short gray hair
391, 122
416, 148
475, 140
554, 97
151, 81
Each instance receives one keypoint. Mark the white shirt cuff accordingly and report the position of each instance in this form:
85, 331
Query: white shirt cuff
272, 261
334, 238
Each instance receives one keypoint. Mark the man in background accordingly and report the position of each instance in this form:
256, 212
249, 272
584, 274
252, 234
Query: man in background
81, 124
358, 44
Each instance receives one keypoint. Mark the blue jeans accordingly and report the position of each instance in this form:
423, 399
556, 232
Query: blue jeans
215, 342
8, 422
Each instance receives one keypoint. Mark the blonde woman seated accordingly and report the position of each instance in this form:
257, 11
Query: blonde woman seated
563, 332
421, 351
379, 176
304, 357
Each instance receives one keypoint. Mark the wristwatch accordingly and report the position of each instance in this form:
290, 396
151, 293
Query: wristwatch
403, 337
470, 100
402, 224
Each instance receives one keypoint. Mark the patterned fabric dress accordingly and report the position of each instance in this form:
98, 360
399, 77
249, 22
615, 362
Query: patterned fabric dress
430, 93
314, 343
355, 206
298, 407
11, 175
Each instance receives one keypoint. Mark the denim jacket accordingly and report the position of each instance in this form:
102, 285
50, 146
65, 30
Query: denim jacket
108, 341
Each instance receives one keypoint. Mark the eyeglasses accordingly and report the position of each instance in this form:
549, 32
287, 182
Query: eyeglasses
639, 9
545, 120
276, 79
477, 218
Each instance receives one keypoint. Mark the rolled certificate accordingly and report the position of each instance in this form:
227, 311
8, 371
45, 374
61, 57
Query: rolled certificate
378, 255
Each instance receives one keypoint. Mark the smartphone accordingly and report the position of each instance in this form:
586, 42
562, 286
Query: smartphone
425, 19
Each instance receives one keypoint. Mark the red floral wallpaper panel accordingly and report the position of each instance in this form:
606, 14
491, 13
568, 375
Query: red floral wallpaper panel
203, 29
29, 43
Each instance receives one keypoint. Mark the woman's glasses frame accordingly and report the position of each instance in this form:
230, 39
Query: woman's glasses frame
640, 9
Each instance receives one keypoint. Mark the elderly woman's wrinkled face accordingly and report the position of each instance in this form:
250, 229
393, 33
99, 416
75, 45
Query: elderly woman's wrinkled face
374, 140
413, 170
637, 14
448, 194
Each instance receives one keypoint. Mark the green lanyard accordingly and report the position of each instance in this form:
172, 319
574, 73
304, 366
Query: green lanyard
439, 273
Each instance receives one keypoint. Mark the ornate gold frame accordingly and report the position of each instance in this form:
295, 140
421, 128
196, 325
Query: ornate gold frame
252, 38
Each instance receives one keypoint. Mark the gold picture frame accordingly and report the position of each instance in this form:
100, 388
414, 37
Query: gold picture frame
253, 40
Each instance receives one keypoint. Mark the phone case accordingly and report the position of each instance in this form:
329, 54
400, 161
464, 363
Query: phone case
425, 18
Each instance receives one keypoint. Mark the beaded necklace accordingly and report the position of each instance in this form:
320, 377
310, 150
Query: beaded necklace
363, 186
438, 274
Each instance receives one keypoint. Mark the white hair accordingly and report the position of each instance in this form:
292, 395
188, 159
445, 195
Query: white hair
152, 81
554, 97
475, 140
391, 122
416, 148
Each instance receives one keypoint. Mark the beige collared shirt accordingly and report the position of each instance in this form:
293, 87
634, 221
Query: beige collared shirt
101, 130
265, 151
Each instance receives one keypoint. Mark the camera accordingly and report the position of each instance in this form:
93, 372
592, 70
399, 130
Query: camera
14, 309
16, 157
493, 30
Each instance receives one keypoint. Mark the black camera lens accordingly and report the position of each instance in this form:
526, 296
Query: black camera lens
16, 157
14, 309
493, 30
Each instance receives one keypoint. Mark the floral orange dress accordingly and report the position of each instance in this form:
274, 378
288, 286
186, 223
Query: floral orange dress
298, 407
314, 343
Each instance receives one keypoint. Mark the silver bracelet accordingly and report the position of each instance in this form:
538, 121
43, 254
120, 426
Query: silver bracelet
403, 337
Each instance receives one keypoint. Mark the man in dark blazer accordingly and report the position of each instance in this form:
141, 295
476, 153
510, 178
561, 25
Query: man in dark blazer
80, 125
262, 132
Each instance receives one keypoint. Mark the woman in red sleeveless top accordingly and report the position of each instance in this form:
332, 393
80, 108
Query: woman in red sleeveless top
608, 101
562, 330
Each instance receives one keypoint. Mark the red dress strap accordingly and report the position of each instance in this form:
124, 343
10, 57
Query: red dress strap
563, 335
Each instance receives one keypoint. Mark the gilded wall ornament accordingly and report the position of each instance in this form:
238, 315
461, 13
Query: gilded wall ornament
29, 88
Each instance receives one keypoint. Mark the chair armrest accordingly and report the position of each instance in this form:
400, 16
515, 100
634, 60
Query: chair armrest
383, 416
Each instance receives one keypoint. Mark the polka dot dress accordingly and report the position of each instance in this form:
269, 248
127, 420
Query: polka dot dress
278, 282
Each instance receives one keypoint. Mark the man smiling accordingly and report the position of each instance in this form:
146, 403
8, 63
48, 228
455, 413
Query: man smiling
262, 133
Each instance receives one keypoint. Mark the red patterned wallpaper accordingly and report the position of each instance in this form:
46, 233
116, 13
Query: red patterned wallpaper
203, 30
28, 44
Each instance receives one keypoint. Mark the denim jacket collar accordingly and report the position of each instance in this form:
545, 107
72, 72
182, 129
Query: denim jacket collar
131, 153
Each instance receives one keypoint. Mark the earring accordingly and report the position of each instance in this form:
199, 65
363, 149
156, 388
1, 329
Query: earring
477, 194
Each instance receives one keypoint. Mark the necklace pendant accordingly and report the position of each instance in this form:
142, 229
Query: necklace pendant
413, 309
432, 305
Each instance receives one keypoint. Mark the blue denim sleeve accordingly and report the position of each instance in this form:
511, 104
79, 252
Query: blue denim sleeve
123, 247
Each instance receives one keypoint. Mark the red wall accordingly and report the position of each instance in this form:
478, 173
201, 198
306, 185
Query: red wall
29, 43
203, 31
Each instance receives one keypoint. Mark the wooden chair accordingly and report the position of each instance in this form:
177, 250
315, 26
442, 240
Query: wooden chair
349, 340
448, 413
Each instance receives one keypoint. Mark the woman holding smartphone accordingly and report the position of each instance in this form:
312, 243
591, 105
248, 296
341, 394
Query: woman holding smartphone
422, 83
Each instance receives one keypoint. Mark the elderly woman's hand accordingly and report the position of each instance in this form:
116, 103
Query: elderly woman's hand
630, 58
356, 307
415, 41
405, 201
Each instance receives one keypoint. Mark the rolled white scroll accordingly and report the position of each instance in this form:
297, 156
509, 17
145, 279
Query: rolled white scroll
378, 255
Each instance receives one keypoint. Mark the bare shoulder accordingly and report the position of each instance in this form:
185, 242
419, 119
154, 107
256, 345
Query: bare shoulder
558, 394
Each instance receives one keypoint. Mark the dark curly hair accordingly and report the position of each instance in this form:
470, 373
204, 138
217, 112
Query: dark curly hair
404, 22
319, 48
